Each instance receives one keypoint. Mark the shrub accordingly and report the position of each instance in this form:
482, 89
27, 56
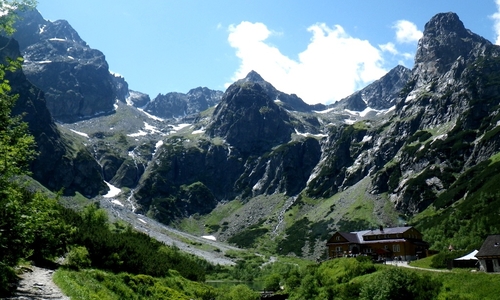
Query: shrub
396, 283
440, 260
78, 258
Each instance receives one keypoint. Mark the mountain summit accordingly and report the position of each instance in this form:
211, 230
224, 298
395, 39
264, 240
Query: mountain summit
75, 78
445, 39
249, 119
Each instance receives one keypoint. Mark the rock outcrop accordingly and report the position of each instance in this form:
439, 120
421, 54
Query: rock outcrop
177, 105
75, 78
379, 95
249, 120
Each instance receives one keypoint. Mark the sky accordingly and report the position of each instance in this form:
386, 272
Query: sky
321, 50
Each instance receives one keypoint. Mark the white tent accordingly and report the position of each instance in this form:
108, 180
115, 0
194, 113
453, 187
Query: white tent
469, 256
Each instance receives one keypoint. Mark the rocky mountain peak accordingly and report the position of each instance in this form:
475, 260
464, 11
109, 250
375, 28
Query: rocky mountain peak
444, 40
249, 119
445, 23
253, 76
75, 78
290, 102
381, 94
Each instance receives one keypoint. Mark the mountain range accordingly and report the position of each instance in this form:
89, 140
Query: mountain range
254, 164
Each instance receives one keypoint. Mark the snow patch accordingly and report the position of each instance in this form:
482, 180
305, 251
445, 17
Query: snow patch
141, 220
57, 40
199, 131
44, 62
180, 126
323, 111
209, 237
307, 134
367, 111
366, 138
157, 146
151, 128
114, 201
80, 133
349, 121
113, 190
440, 137
140, 133
149, 115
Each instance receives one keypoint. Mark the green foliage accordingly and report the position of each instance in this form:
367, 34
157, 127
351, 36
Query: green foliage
248, 237
440, 260
397, 283
239, 292
332, 279
128, 250
295, 238
78, 258
50, 235
247, 269
463, 221
9, 16
272, 282
97, 284
420, 136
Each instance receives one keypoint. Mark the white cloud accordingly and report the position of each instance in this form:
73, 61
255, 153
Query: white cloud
389, 47
407, 32
496, 22
402, 57
333, 66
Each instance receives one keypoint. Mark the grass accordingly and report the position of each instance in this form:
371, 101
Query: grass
97, 284
422, 263
459, 284
202, 224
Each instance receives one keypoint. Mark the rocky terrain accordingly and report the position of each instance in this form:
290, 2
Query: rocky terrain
36, 283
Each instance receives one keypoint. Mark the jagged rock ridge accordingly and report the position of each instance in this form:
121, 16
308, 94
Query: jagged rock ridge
381, 94
177, 105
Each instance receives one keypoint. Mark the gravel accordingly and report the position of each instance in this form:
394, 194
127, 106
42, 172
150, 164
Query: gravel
172, 237
36, 283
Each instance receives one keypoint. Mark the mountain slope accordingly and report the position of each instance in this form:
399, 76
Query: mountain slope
61, 163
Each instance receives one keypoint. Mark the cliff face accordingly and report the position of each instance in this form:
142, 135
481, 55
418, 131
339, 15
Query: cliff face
75, 78
381, 94
61, 164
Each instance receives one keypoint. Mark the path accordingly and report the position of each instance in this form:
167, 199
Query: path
406, 265
37, 284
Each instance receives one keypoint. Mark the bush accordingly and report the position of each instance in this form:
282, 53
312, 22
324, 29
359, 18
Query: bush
440, 260
78, 258
396, 283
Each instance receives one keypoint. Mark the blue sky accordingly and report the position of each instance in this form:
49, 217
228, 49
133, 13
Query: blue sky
321, 50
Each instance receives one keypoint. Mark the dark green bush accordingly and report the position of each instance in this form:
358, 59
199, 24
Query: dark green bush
398, 283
